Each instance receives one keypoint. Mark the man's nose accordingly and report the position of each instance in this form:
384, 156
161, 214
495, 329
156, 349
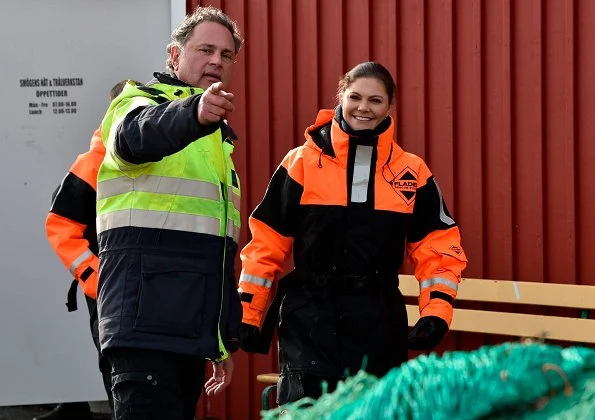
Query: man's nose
216, 58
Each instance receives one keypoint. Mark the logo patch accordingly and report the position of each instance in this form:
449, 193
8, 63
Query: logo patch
404, 183
456, 249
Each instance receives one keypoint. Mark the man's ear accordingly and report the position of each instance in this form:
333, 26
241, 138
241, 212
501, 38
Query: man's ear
174, 55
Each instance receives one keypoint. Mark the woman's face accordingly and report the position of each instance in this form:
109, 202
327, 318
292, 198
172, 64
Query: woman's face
365, 103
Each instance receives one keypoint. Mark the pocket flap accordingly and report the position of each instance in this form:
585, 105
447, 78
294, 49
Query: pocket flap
152, 264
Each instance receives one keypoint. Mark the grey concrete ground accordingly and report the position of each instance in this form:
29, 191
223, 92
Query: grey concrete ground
28, 412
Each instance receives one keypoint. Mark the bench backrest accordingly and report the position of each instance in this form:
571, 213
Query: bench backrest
489, 321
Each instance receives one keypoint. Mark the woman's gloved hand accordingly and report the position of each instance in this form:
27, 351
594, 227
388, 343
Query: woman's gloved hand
252, 341
427, 333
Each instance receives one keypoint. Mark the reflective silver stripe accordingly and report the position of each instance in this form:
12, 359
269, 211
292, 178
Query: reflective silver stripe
443, 216
79, 260
438, 280
361, 174
259, 281
158, 220
235, 198
157, 184
233, 231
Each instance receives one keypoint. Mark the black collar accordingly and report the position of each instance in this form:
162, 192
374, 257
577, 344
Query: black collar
169, 79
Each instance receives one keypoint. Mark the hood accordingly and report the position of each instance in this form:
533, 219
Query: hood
328, 138
162, 89
168, 79
318, 134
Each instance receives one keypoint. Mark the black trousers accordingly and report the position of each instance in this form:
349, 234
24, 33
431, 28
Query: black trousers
294, 386
155, 385
331, 327
104, 364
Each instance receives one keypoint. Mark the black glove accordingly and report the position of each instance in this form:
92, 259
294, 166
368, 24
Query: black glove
252, 341
427, 333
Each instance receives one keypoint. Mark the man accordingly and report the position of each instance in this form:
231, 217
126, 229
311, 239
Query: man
168, 227
70, 229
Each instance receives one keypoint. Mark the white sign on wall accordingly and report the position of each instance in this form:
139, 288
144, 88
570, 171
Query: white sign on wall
59, 60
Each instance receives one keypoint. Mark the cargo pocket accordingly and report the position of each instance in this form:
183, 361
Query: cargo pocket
290, 388
135, 395
171, 297
453, 257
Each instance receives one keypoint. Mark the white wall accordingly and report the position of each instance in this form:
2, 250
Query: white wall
46, 353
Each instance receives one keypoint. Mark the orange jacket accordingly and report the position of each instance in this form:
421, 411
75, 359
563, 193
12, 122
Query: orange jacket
317, 207
70, 224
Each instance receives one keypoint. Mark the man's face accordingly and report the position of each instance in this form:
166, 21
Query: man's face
208, 56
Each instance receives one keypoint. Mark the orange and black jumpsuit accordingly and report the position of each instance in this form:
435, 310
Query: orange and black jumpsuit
348, 204
70, 229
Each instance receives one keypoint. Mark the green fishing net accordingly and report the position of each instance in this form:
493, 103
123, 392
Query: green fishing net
506, 381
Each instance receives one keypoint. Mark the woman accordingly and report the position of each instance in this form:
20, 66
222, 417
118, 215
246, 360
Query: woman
349, 202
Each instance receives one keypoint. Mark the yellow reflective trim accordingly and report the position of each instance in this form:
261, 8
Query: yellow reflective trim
157, 184
158, 220
222, 350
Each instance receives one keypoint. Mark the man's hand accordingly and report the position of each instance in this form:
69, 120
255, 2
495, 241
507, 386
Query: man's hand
221, 378
214, 103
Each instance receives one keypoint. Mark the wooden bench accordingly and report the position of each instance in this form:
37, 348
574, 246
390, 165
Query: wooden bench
271, 380
578, 328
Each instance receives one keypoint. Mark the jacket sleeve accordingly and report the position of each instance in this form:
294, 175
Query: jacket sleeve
151, 132
434, 248
70, 224
271, 225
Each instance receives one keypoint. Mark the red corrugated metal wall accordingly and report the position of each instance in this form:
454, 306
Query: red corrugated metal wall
498, 96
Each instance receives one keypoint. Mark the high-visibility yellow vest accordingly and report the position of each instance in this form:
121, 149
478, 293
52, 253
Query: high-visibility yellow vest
194, 190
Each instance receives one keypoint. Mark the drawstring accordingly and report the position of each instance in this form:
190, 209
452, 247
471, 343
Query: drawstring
390, 155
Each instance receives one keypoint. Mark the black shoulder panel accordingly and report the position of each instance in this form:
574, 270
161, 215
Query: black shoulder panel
279, 208
75, 200
430, 212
